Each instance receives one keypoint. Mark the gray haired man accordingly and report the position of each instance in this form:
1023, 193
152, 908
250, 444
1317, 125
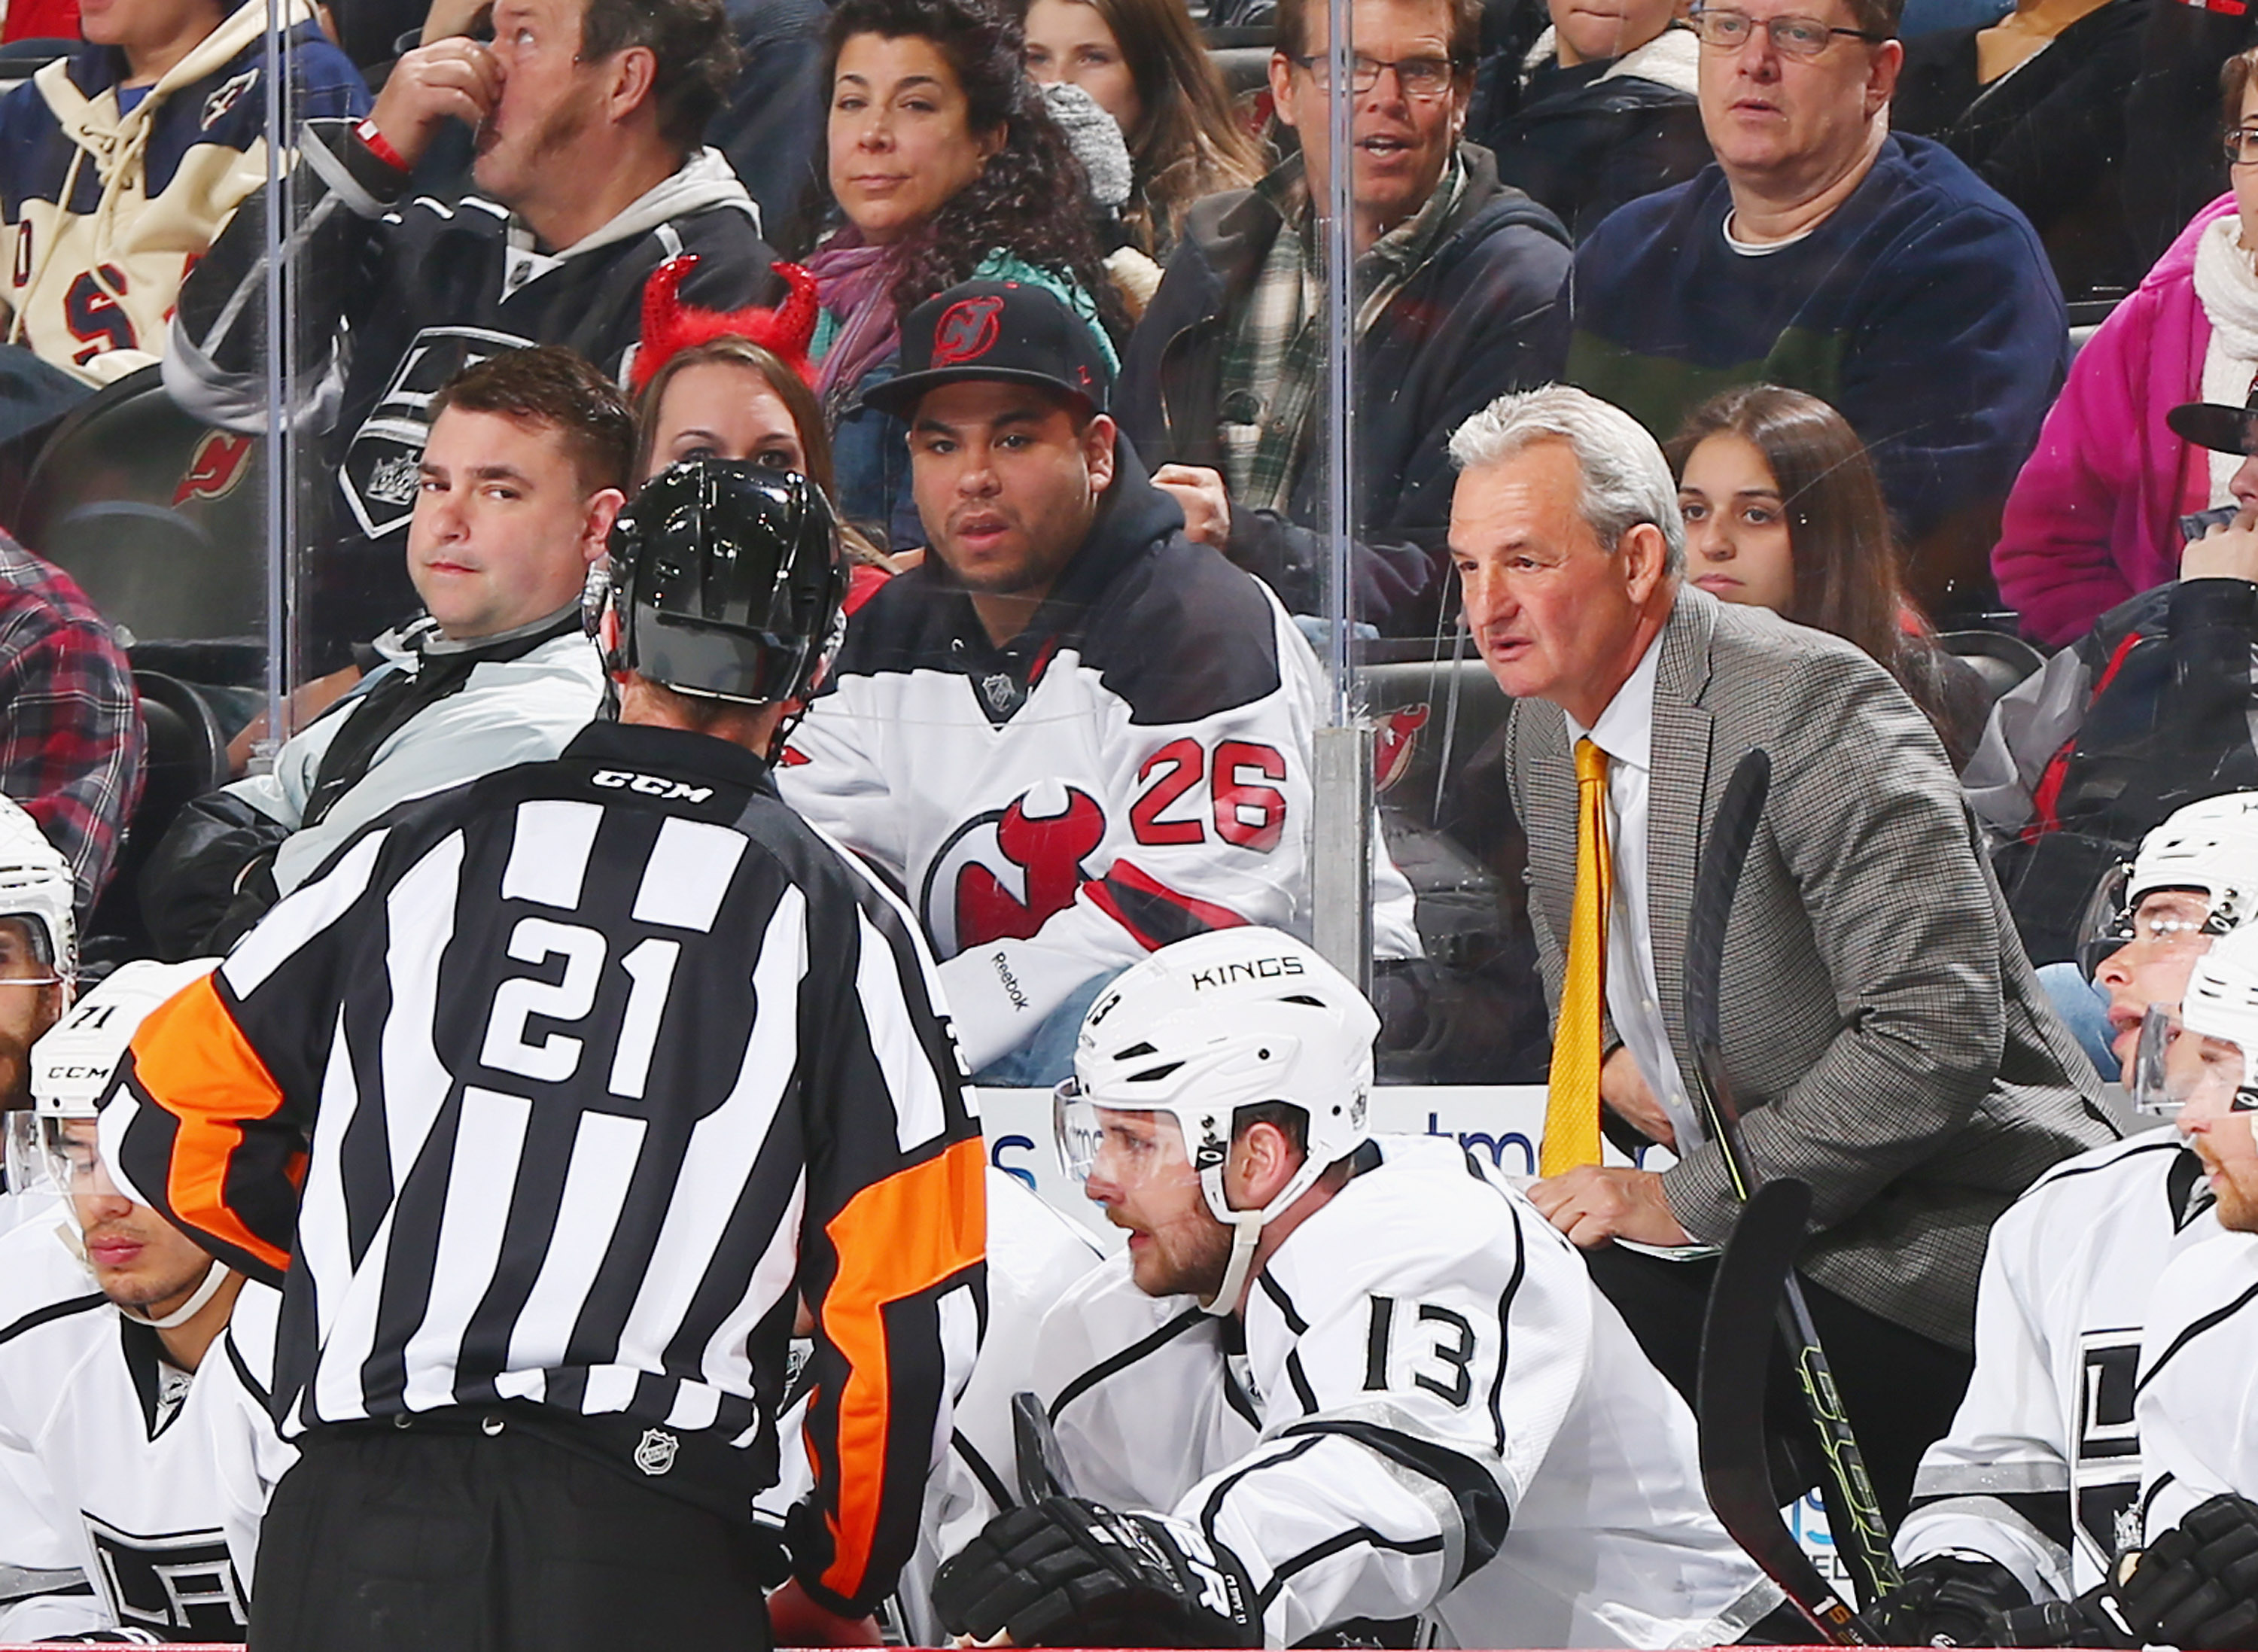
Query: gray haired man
1884, 1031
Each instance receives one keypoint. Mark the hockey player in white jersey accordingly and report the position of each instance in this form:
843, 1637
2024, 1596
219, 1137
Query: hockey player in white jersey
38, 949
123, 1460
1336, 1382
2033, 1491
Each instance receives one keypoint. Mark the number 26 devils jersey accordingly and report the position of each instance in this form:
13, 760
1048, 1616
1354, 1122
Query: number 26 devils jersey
1130, 769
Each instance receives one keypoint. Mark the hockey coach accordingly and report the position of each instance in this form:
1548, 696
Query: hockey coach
1884, 1031
544, 1104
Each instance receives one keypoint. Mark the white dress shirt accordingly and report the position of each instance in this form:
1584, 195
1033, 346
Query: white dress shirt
1625, 733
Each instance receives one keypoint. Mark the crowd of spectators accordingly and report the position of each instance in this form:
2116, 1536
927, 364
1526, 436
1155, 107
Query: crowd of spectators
1925, 341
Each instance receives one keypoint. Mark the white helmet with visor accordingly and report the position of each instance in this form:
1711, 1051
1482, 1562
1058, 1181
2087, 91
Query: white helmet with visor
1234, 1019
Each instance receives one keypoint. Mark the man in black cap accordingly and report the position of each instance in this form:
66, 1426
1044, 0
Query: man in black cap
1073, 735
2148, 711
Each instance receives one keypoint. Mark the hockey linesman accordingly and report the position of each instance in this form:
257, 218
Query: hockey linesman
128, 1459
2033, 1492
546, 1102
1368, 1452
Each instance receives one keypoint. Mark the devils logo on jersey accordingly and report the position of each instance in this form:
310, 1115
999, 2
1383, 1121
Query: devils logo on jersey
1002, 875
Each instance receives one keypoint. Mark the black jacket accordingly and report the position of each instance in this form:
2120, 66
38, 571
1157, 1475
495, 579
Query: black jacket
1584, 140
1480, 318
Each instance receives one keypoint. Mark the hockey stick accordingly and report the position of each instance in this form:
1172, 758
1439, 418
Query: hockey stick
1729, 1407
1867, 1545
1041, 1465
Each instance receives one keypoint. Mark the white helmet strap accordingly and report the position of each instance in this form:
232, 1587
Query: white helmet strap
214, 1276
1247, 1227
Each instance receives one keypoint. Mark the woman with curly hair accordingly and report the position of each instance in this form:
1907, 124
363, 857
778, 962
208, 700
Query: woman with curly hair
1143, 62
946, 168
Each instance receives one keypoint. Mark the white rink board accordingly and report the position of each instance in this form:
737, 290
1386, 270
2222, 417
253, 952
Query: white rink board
1503, 1121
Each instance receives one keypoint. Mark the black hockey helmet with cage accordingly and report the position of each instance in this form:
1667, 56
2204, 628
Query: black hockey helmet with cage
727, 579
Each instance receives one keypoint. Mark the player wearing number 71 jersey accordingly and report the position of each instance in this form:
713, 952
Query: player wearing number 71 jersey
546, 1104
1337, 1382
1073, 734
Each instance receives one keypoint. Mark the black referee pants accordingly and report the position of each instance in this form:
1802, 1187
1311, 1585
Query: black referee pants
1900, 1388
455, 1540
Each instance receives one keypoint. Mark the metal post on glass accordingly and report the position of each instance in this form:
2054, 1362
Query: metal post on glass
1341, 837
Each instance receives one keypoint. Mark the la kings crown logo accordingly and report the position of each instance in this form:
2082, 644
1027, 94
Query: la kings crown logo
383, 463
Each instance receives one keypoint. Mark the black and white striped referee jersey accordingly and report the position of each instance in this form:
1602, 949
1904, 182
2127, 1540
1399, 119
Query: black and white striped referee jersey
564, 1087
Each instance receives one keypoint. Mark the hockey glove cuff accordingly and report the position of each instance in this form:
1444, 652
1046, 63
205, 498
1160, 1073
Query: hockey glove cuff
1960, 1599
1070, 1572
2197, 1585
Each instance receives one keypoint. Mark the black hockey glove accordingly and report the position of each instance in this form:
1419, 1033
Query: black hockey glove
1070, 1572
2197, 1585
1953, 1600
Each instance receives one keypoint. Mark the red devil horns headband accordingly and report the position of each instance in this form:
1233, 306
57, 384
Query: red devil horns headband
671, 326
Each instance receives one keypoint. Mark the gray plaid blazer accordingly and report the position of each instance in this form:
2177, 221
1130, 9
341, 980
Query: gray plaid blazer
1886, 1035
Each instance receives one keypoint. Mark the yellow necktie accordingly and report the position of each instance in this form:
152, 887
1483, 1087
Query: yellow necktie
1572, 1107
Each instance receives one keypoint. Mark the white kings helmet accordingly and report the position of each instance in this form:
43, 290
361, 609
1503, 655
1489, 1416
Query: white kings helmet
2221, 1000
2210, 845
36, 884
72, 1066
1229, 1020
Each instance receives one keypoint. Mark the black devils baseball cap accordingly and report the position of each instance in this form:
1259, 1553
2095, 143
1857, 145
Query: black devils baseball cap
996, 329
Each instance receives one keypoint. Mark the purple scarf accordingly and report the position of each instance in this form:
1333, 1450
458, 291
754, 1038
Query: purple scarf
855, 282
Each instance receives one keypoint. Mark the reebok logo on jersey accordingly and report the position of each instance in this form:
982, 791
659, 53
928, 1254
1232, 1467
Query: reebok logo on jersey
1252, 969
1009, 981
650, 785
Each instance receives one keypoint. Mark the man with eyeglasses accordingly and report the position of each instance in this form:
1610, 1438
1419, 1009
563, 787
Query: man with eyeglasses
1822, 252
591, 170
2148, 711
2034, 1490
1457, 279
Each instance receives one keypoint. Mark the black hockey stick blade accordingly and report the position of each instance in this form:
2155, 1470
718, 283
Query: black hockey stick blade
1715, 880
1041, 1463
1728, 1409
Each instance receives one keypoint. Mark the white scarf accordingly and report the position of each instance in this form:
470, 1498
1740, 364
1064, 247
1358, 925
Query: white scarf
2226, 286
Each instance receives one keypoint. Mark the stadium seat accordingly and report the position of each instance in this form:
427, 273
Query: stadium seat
2000, 659
187, 757
20, 60
160, 519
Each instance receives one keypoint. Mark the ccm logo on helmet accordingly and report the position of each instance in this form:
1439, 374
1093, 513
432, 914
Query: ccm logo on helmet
652, 785
89, 1069
1252, 969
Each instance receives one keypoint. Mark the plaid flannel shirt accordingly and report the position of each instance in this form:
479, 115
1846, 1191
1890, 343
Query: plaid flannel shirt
1274, 362
70, 730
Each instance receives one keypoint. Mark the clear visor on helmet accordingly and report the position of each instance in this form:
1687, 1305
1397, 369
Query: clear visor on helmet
1121, 1149
2177, 1073
2164, 917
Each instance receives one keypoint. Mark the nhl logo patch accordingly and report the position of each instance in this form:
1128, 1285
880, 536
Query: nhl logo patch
654, 1453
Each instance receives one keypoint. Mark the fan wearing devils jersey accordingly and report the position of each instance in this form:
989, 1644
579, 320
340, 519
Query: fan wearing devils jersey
1072, 735
126, 1457
2034, 1490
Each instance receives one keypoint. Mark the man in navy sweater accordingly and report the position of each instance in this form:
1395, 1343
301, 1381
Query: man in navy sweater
1822, 253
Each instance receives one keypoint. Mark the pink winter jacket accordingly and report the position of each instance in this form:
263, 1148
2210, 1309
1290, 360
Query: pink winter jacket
2093, 518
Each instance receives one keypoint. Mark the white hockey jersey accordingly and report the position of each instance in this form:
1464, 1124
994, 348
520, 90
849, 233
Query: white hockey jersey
121, 1476
2041, 1470
1134, 767
2197, 1404
1033, 1255
1436, 1411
